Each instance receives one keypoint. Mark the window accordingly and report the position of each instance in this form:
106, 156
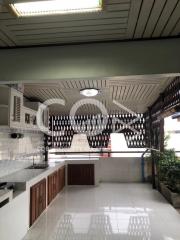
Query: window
118, 143
172, 130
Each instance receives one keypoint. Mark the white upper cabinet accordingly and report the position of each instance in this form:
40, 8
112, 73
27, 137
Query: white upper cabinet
29, 119
11, 103
17, 114
16, 107
42, 110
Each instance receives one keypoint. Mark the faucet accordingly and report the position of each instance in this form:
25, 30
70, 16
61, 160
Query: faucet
35, 154
33, 160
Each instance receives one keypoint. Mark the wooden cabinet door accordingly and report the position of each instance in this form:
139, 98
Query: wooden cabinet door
37, 200
80, 174
52, 186
61, 178
42, 197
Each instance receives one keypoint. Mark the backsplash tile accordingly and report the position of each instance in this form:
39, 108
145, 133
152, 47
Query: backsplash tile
16, 154
14, 149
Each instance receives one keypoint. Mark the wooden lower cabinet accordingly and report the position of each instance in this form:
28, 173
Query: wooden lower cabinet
52, 186
37, 200
61, 178
38, 195
80, 174
56, 182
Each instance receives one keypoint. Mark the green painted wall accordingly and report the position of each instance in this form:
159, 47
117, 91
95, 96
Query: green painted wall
90, 61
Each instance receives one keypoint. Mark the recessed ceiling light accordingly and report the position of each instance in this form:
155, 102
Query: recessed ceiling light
49, 7
89, 92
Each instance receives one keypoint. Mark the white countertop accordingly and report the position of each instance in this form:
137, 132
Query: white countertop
8, 167
29, 177
23, 175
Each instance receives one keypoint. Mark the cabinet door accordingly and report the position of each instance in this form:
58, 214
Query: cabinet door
42, 197
52, 186
29, 119
61, 179
80, 174
55, 184
33, 204
16, 103
37, 200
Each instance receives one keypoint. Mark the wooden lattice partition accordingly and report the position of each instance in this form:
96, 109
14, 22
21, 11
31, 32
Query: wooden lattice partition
98, 132
172, 95
165, 105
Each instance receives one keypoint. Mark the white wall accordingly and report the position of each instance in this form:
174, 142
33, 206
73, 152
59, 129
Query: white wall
121, 169
15, 153
11, 149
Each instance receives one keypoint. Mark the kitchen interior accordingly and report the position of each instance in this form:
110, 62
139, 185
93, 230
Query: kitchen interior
88, 89
37, 164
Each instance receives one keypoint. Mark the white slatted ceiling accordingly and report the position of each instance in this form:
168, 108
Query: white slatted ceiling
153, 18
172, 22
143, 17
135, 94
121, 19
165, 16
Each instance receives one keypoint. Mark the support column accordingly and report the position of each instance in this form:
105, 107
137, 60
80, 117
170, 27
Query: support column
151, 146
161, 137
46, 148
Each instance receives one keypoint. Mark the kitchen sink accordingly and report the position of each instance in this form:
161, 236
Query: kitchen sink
38, 166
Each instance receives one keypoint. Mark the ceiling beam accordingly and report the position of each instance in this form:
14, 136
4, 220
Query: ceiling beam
90, 61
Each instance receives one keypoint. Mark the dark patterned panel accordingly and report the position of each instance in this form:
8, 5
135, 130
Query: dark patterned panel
172, 94
166, 102
98, 129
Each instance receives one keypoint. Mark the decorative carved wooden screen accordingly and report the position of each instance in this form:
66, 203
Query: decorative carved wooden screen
172, 94
64, 127
168, 100
153, 121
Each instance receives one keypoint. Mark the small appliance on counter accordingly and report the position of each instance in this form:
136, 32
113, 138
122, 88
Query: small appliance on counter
6, 186
17, 135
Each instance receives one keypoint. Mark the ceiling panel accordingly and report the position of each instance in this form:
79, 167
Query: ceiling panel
71, 33
172, 21
133, 17
166, 15
156, 11
176, 30
143, 17
135, 94
120, 20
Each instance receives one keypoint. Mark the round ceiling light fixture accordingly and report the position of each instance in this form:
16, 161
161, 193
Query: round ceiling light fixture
89, 92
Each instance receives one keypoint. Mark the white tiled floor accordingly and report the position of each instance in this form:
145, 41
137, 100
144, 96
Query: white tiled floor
108, 212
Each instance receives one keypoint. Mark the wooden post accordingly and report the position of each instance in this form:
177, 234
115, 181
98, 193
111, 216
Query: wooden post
153, 170
45, 148
151, 146
161, 144
161, 137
